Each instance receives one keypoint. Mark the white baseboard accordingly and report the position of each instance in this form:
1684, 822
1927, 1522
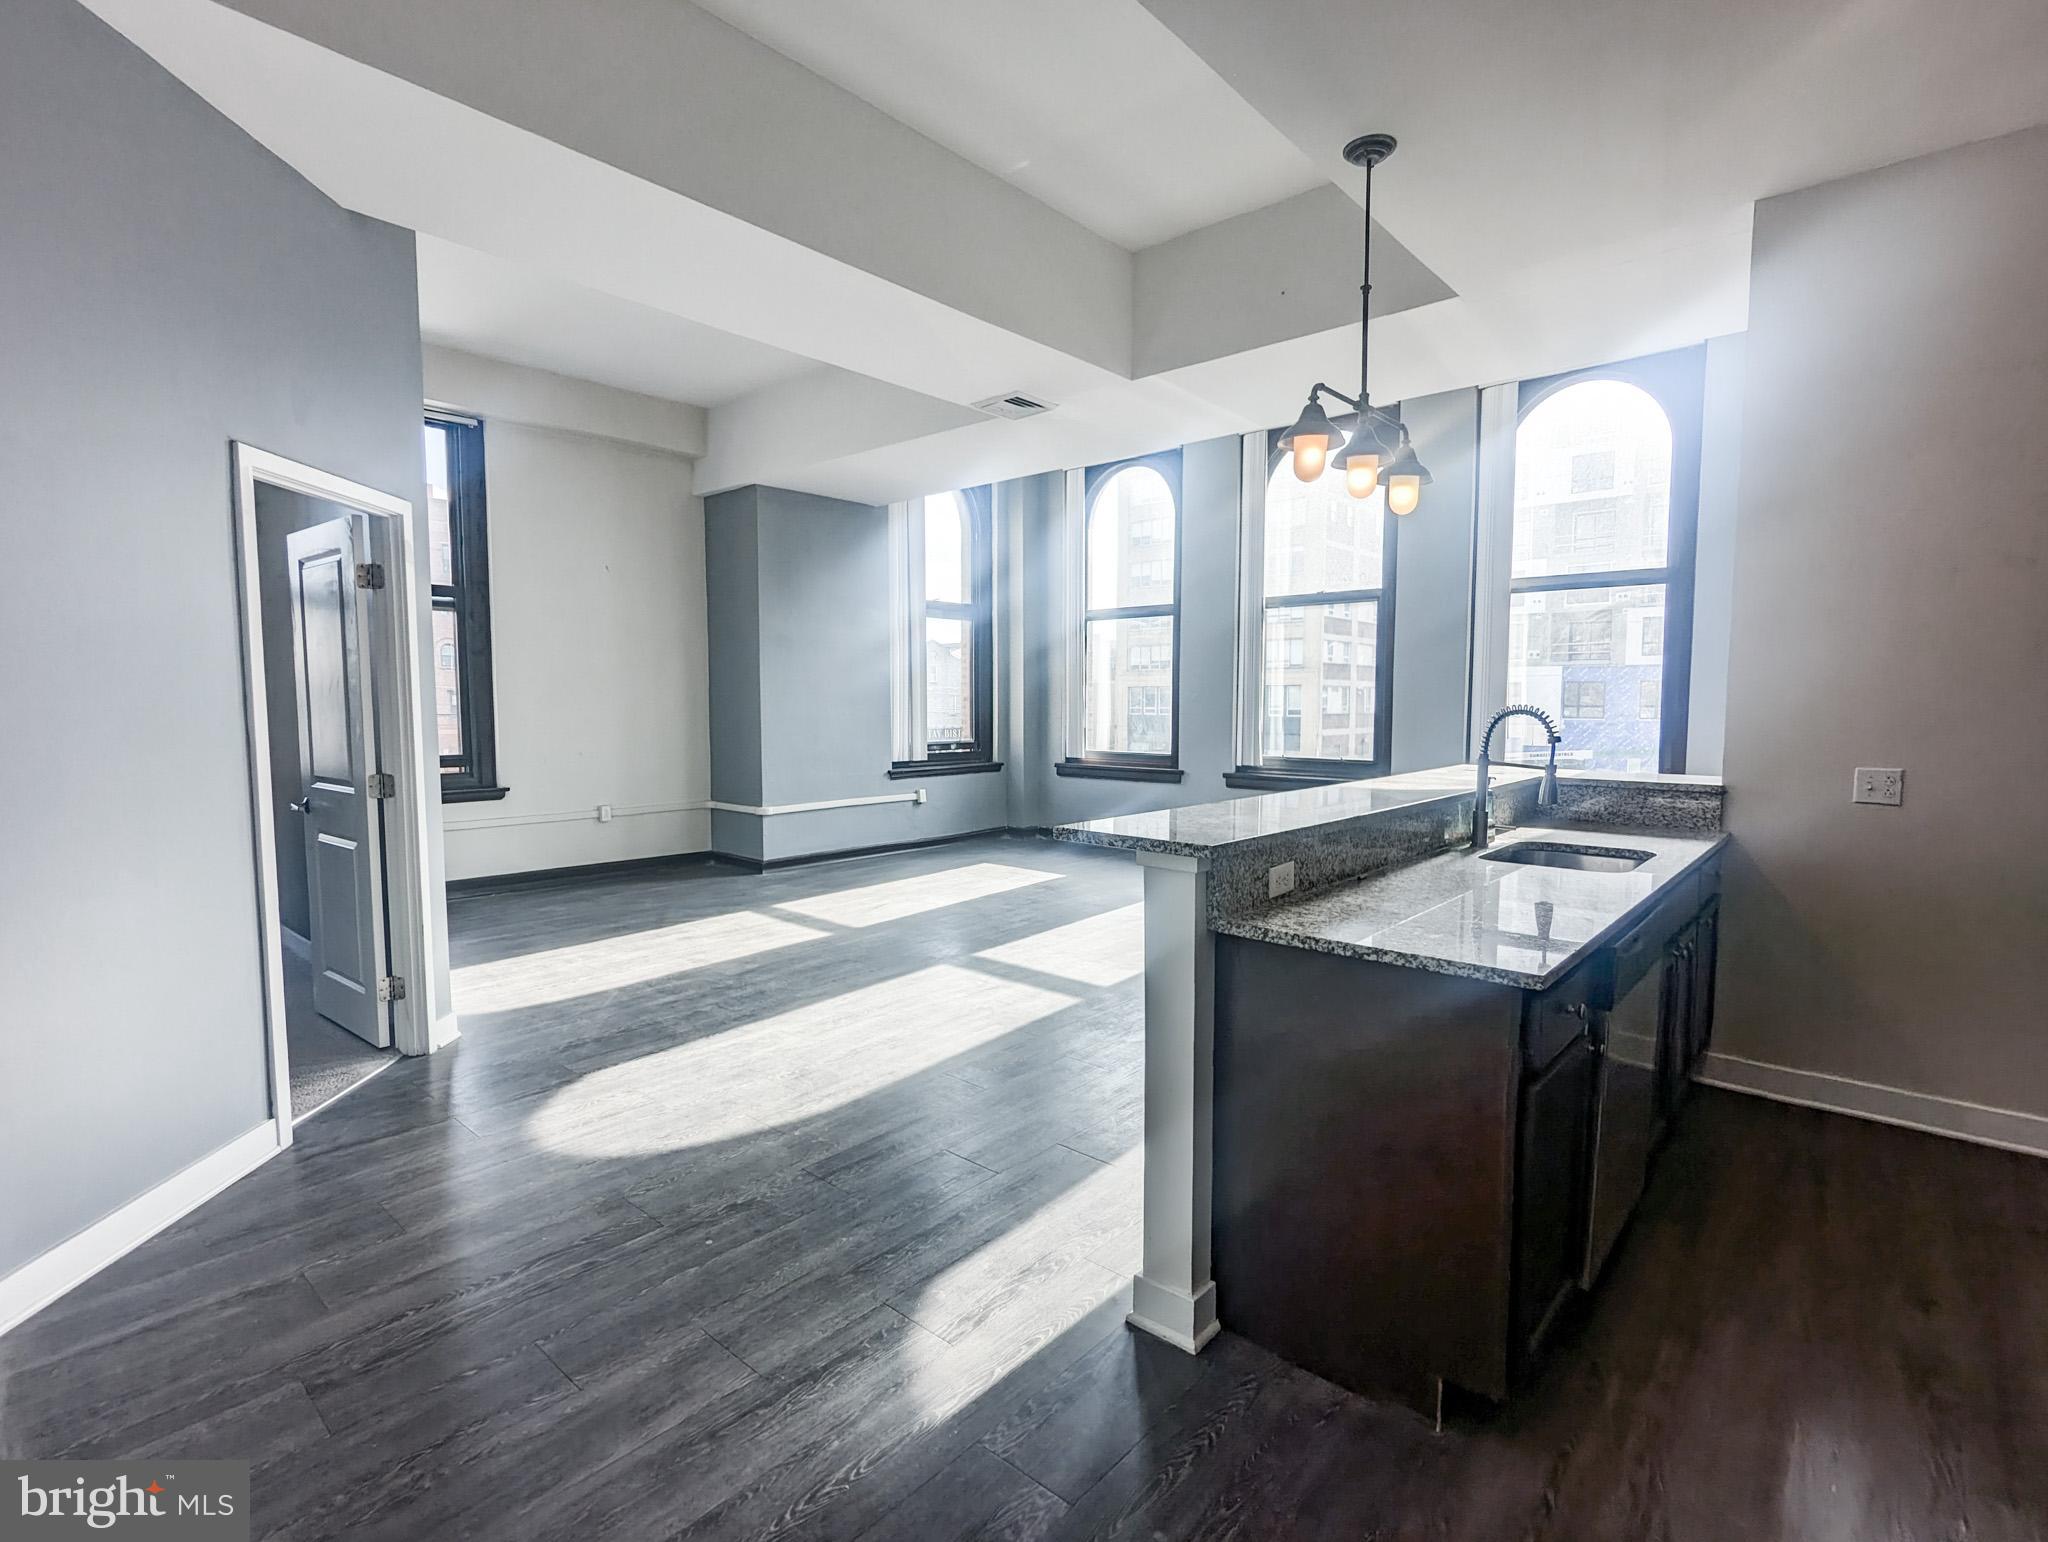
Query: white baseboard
446, 1030
2005, 1128
71, 1263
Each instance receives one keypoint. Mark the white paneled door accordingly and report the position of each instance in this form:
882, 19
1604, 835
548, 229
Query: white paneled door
344, 877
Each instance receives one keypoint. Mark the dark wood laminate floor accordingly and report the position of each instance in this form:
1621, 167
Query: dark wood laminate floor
804, 1205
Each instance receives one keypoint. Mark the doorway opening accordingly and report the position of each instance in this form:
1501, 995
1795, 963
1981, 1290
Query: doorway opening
330, 667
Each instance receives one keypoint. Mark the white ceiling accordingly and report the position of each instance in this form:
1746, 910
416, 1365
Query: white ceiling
941, 199
1596, 135
1090, 106
515, 312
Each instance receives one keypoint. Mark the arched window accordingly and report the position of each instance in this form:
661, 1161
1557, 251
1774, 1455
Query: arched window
1600, 593
1130, 628
1325, 626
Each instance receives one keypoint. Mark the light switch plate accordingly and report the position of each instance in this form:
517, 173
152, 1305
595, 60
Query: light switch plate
1279, 880
1879, 784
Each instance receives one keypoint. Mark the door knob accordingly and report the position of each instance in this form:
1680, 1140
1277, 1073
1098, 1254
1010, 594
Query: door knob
300, 807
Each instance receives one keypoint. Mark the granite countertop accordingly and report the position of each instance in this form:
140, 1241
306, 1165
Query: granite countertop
1459, 914
1202, 828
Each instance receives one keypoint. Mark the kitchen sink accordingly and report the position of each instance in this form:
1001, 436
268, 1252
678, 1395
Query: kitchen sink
1582, 859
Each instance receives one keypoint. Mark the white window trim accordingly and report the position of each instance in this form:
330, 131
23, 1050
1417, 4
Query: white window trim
1493, 555
1076, 609
906, 634
1251, 595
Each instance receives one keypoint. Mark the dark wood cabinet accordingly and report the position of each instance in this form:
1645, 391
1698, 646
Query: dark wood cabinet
1705, 956
1415, 1172
1552, 1129
1674, 1026
1688, 1009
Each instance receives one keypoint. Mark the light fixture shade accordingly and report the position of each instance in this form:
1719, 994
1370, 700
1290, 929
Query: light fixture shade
1313, 441
1312, 422
1374, 435
1406, 463
1405, 477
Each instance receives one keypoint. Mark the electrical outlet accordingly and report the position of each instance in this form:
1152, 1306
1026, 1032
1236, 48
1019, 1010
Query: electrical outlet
604, 813
1279, 880
1879, 784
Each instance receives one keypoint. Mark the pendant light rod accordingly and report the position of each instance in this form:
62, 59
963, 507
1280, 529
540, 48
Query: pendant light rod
1367, 151
1365, 311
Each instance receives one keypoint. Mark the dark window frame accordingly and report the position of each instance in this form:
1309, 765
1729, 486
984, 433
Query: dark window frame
1128, 764
1676, 381
471, 777
978, 753
1323, 768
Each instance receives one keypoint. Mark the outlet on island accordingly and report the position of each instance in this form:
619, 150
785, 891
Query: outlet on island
1279, 880
1879, 784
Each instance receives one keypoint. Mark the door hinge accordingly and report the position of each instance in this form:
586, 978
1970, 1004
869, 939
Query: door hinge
369, 575
391, 988
383, 785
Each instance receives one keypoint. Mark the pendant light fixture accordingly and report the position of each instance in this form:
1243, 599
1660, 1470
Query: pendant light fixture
1378, 449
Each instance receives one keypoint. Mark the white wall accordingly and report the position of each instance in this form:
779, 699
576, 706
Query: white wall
598, 643
1890, 574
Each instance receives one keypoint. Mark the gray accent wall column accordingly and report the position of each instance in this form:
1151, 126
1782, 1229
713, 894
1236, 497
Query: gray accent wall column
732, 612
798, 606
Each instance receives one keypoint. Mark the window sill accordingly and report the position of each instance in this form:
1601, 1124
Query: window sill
907, 770
1255, 780
1117, 771
473, 794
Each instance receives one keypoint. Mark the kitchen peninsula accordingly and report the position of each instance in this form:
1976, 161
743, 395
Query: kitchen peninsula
1401, 1094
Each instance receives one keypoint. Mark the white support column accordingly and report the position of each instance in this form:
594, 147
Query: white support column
1175, 1297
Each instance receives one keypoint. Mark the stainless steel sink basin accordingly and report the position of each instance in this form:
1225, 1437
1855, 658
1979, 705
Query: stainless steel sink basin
1607, 859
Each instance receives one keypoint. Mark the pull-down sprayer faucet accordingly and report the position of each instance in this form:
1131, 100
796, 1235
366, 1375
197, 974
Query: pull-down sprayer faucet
1546, 794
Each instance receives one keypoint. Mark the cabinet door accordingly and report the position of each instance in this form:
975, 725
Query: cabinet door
1551, 1136
1705, 954
1674, 1025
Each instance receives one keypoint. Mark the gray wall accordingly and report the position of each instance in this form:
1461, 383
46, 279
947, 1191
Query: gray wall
799, 624
165, 286
1713, 586
732, 609
1433, 586
1889, 610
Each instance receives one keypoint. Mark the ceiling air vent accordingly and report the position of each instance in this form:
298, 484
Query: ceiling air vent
1012, 405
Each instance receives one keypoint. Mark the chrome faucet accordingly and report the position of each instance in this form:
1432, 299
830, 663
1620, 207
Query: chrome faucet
1546, 794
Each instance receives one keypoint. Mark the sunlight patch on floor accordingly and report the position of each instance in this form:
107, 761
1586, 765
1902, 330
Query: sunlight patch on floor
793, 1067
1051, 1267
633, 958
1101, 950
876, 903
